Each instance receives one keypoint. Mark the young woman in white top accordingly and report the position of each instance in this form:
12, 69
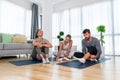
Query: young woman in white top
64, 48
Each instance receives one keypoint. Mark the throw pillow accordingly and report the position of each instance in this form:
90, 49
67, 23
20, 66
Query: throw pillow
6, 38
19, 39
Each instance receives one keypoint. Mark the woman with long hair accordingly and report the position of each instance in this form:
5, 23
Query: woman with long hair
65, 48
42, 46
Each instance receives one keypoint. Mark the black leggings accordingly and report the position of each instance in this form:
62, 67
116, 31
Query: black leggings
92, 50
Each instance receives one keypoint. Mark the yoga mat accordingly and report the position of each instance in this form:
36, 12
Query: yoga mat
27, 62
79, 65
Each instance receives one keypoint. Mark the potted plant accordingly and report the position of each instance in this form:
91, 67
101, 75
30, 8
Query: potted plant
60, 36
101, 29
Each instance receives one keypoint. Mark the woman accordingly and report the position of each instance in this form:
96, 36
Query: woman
65, 48
42, 46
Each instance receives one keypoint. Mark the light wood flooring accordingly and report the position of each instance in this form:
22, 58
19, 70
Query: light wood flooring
108, 70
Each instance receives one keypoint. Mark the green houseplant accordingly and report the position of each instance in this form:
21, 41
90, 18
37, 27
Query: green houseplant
101, 29
60, 36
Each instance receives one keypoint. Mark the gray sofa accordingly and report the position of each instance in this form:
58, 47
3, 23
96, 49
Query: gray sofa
10, 49
13, 49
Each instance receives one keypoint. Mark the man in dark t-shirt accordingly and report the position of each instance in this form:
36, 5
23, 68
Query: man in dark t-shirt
90, 47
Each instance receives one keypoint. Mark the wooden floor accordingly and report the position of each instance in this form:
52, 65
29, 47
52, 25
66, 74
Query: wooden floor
108, 70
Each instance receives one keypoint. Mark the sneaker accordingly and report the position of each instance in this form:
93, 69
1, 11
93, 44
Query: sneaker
47, 60
65, 58
82, 60
93, 60
70, 57
60, 59
75, 58
43, 61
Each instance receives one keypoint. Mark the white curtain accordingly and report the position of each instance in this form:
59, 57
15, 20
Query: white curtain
99, 14
14, 19
116, 13
106, 13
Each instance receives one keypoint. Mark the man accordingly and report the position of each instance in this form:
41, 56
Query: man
90, 47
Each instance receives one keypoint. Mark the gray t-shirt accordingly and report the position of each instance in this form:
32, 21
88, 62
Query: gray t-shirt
40, 40
95, 43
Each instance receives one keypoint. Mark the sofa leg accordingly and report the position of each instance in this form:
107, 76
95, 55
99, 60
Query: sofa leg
27, 55
19, 55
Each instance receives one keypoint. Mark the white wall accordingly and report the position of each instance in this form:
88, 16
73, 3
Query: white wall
74, 3
47, 19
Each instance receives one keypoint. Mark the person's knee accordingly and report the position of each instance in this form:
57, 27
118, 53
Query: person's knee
78, 54
93, 57
87, 53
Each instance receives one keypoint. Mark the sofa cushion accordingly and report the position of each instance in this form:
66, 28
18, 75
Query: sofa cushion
6, 38
17, 46
19, 39
1, 46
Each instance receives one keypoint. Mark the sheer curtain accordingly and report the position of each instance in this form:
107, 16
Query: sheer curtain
14, 19
106, 13
116, 13
55, 28
76, 26
65, 25
99, 14
68, 21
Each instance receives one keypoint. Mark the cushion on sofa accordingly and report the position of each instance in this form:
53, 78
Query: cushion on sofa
6, 38
17, 46
19, 39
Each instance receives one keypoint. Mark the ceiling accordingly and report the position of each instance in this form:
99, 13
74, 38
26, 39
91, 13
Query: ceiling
53, 1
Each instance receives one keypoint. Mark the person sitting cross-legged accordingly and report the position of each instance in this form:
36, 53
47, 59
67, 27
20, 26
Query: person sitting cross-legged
42, 46
90, 47
64, 48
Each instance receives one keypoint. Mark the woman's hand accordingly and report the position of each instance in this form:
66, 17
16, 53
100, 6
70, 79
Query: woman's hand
39, 45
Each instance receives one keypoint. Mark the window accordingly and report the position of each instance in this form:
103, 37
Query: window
74, 20
65, 21
116, 18
99, 14
14, 19
55, 28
